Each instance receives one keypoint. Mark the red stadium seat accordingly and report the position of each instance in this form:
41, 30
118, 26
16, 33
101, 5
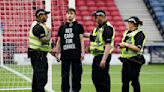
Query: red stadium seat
91, 3
117, 18
83, 8
79, 18
115, 13
80, 3
92, 8
83, 13
89, 29
119, 23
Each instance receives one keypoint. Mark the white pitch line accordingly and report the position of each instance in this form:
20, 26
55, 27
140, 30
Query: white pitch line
120, 72
121, 83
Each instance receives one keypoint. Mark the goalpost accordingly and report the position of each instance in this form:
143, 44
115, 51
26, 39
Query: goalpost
16, 17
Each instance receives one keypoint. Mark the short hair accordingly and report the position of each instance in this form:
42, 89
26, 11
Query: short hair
71, 9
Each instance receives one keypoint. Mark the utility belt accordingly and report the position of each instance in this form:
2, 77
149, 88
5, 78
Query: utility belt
137, 59
96, 52
36, 53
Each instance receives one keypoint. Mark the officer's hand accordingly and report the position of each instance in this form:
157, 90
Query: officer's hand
49, 29
122, 45
102, 63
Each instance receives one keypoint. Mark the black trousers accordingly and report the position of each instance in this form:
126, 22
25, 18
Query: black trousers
130, 72
101, 77
40, 70
76, 74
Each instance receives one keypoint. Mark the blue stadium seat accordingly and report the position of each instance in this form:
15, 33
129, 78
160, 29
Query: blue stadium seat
156, 8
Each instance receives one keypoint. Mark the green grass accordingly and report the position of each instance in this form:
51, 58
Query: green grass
151, 79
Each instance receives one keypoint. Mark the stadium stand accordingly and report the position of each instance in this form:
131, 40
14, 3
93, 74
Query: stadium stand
156, 8
84, 9
137, 8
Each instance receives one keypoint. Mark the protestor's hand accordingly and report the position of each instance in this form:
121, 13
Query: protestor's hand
82, 57
55, 54
102, 63
57, 58
52, 53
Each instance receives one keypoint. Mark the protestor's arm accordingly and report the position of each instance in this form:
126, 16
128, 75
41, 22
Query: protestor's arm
82, 46
87, 35
58, 45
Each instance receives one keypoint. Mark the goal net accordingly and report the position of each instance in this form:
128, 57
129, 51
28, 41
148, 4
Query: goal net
16, 17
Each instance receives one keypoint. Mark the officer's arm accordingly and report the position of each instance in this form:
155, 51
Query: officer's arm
39, 32
108, 38
133, 47
46, 38
139, 38
108, 47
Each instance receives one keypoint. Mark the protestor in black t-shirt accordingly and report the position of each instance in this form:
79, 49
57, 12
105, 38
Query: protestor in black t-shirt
131, 50
71, 46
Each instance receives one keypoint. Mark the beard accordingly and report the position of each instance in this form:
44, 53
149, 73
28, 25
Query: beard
45, 20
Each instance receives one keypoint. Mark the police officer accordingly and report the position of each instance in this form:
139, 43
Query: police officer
70, 43
102, 40
39, 46
131, 47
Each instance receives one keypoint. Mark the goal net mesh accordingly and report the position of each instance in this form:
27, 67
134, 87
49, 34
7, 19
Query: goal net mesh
16, 17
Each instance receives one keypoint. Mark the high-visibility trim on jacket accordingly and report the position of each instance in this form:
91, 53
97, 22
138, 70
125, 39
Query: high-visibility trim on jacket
98, 46
35, 43
126, 52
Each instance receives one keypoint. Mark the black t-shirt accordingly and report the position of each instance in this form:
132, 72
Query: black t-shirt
38, 31
139, 38
70, 40
107, 33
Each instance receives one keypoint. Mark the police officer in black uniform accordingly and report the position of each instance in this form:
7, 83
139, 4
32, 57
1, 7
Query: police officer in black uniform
70, 43
131, 54
39, 46
102, 41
